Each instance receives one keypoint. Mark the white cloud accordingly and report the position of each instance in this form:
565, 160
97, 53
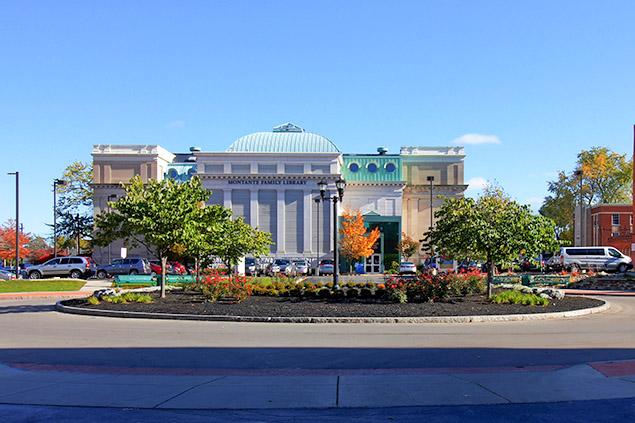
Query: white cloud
476, 139
175, 124
476, 185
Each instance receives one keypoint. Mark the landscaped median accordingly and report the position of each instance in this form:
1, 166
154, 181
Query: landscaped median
443, 298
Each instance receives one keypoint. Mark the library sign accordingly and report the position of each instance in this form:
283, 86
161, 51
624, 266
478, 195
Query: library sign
266, 182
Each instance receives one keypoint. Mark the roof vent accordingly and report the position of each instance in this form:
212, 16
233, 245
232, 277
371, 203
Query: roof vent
382, 150
195, 149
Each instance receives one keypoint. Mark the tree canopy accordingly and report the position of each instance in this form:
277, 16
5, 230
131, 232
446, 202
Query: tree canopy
357, 242
600, 176
75, 206
408, 247
493, 228
237, 239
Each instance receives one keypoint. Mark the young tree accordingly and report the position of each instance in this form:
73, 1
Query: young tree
159, 215
238, 239
356, 242
75, 205
7, 242
407, 247
493, 228
210, 226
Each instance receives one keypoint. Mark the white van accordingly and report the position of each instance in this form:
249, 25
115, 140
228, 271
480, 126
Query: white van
598, 258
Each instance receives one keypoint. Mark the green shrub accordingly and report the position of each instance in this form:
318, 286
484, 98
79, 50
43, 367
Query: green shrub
92, 300
366, 293
352, 293
517, 297
338, 294
324, 293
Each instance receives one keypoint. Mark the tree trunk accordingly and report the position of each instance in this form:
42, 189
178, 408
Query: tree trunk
197, 269
164, 265
490, 277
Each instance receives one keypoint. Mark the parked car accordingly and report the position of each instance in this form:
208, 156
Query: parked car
280, 266
599, 258
407, 267
6, 275
127, 266
178, 268
156, 268
326, 267
301, 267
75, 267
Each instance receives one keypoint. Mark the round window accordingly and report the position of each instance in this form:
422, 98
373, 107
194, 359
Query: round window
353, 167
390, 167
372, 167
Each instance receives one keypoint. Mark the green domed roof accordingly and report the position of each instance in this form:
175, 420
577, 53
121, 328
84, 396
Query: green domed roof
287, 138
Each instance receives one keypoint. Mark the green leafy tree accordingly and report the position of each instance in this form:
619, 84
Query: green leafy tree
159, 215
238, 239
210, 224
75, 205
601, 176
493, 228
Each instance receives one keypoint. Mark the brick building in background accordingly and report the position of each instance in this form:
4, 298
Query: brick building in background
607, 225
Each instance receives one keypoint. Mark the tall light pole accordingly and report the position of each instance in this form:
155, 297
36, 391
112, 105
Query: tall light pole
578, 219
17, 222
56, 183
340, 184
318, 200
110, 197
431, 180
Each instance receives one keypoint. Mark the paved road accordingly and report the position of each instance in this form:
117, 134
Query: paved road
35, 333
48, 358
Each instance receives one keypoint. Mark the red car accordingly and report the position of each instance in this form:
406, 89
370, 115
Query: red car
178, 268
155, 267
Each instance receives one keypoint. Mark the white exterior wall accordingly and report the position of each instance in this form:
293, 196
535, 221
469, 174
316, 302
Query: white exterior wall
278, 201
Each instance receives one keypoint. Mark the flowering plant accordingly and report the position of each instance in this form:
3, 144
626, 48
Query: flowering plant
216, 286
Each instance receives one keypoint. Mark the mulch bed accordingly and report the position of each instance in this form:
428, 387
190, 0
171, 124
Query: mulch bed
193, 303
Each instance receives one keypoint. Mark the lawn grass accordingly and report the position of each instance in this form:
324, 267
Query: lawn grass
41, 285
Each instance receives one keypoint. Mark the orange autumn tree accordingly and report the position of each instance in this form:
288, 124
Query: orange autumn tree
7, 242
356, 242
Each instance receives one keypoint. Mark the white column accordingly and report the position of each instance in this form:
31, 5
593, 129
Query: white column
253, 207
227, 198
281, 221
308, 222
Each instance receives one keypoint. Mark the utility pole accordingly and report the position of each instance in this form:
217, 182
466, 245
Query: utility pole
17, 223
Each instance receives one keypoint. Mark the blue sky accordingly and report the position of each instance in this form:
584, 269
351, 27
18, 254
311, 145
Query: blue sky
543, 78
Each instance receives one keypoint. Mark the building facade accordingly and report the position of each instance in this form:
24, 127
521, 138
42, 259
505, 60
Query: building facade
271, 179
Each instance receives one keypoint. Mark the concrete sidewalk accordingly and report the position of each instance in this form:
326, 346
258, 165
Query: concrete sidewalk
162, 388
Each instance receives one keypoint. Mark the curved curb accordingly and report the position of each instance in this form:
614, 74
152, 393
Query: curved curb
429, 319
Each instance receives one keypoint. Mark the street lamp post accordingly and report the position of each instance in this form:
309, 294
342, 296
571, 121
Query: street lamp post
110, 197
578, 219
56, 183
340, 185
431, 180
17, 222
318, 200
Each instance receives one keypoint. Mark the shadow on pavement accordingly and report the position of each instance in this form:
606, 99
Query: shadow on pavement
309, 358
26, 308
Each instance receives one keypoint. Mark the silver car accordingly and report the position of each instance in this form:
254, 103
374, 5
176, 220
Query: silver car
75, 267
301, 267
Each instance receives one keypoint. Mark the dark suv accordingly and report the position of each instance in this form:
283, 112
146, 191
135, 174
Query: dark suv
127, 266
75, 267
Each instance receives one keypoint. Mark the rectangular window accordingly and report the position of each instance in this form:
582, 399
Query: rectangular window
616, 219
267, 168
318, 168
241, 168
214, 168
293, 168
